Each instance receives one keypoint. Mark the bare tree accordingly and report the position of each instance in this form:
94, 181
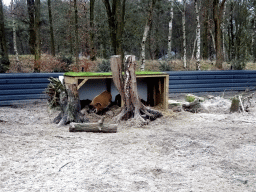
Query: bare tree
145, 34
32, 34
170, 31
183, 12
116, 15
51, 28
92, 47
4, 62
198, 37
17, 61
218, 8
76, 35
37, 32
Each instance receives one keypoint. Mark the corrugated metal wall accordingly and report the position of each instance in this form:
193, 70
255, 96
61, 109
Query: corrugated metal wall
211, 81
16, 88
20, 87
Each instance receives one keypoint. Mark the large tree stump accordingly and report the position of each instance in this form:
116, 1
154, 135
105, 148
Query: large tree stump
127, 86
71, 106
66, 100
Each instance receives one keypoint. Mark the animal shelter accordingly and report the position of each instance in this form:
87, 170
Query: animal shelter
152, 86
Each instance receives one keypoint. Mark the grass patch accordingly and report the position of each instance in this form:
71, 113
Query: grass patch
190, 98
93, 74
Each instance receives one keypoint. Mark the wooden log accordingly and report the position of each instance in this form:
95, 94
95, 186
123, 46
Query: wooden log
93, 127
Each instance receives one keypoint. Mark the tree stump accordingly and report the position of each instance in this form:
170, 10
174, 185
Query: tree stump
235, 105
127, 86
71, 106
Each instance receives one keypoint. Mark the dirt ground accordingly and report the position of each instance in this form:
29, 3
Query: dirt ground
205, 151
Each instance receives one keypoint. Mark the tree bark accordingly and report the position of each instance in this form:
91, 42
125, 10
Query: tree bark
37, 35
70, 28
51, 28
93, 127
127, 87
32, 34
231, 33
170, 32
223, 27
217, 14
70, 105
92, 47
4, 64
76, 35
145, 35
183, 13
205, 36
198, 36
184, 35
116, 23
17, 61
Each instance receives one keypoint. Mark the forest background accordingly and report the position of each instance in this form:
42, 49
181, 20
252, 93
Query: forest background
81, 35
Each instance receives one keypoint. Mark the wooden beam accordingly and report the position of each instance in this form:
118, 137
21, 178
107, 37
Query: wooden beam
81, 84
70, 80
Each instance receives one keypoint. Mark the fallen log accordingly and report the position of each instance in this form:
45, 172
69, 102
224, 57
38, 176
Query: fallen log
93, 127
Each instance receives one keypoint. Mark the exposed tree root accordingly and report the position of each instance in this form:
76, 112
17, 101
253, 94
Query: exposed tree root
140, 116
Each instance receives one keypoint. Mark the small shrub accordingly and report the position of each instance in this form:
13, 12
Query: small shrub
238, 64
86, 65
66, 59
104, 66
49, 63
164, 66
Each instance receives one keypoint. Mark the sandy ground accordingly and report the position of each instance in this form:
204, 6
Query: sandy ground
211, 151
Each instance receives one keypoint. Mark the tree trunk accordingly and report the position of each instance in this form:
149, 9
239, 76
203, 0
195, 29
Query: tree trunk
76, 36
194, 47
184, 35
253, 37
198, 37
145, 34
70, 28
217, 14
205, 51
51, 28
183, 10
92, 47
70, 107
143, 48
4, 62
170, 32
127, 87
116, 23
223, 27
93, 127
231, 35
32, 34
37, 33
17, 61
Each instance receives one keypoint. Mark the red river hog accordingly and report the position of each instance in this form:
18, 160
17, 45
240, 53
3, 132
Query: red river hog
101, 101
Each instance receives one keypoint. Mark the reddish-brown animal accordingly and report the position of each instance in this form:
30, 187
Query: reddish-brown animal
101, 101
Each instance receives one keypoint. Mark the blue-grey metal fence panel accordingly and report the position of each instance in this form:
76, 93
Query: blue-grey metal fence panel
26, 86
17, 87
210, 81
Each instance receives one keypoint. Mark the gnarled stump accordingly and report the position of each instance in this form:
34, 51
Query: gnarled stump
127, 86
69, 106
